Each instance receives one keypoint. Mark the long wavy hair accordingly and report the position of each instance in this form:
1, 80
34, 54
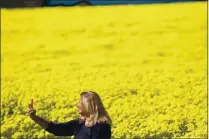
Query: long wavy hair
94, 107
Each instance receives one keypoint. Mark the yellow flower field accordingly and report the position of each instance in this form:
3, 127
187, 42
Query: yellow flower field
147, 62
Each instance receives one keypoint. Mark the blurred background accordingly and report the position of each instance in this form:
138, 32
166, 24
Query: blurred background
147, 59
39, 3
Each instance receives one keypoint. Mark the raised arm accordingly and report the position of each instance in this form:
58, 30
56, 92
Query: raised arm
62, 129
32, 113
57, 129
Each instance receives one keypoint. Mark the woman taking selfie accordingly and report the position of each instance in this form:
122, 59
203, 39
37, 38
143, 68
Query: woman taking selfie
93, 123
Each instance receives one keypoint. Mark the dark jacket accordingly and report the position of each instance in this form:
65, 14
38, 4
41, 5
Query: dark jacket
79, 130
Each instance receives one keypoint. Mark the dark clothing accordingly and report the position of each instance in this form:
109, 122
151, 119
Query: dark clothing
79, 130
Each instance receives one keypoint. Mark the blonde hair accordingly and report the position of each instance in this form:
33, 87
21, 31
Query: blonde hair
94, 107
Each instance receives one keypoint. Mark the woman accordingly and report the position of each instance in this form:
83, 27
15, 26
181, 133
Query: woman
93, 123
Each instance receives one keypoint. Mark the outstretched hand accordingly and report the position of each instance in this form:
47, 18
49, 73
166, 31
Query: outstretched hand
31, 110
